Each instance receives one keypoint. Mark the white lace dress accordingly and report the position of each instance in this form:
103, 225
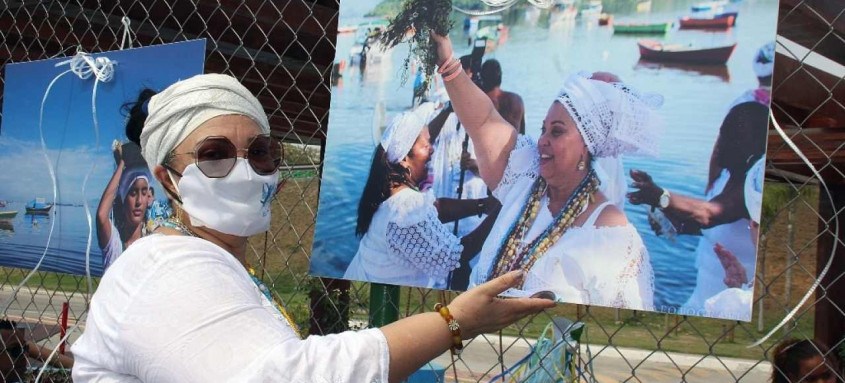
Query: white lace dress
604, 266
406, 244
724, 302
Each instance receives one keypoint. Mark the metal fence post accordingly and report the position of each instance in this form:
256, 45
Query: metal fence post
384, 304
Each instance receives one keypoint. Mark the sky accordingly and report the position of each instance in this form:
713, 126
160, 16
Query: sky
73, 147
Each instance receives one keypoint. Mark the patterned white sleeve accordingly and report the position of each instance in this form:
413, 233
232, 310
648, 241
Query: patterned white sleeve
523, 166
417, 238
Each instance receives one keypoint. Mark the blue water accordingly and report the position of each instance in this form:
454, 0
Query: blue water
535, 60
23, 240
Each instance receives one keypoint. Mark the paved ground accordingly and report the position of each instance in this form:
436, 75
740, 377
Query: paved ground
480, 361
611, 364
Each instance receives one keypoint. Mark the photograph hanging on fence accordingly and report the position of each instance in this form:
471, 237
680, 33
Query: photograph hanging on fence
66, 179
635, 179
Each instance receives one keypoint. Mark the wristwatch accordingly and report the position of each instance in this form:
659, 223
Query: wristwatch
663, 202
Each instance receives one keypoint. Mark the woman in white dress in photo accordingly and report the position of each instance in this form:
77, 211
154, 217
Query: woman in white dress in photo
562, 220
404, 240
721, 218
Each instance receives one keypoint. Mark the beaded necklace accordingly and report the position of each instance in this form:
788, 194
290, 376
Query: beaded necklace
180, 227
514, 254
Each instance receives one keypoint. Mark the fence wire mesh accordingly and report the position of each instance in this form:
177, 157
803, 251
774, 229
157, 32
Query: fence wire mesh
284, 51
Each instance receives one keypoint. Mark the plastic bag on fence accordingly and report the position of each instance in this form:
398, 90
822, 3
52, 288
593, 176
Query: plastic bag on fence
552, 357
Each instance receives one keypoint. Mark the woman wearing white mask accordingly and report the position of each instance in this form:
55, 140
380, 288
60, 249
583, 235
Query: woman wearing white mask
180, 305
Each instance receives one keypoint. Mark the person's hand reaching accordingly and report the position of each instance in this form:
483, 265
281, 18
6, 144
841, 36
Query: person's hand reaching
480, 311
444, 48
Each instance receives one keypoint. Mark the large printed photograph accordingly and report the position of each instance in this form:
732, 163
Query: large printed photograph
74, 191
613, 150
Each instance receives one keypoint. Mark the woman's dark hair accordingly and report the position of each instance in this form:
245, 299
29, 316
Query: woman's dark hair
742, 139
383, 176
788, 355
136, 114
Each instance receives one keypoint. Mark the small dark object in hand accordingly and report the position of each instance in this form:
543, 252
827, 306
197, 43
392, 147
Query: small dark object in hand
420, 17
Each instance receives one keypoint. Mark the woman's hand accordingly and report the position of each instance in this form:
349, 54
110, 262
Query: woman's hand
444, 48
648, 193
479, 311
734, 270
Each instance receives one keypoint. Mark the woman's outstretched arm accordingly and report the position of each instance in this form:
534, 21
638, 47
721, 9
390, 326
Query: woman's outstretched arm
106, 200
492, 135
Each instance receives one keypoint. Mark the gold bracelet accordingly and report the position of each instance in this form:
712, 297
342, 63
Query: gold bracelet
454, 328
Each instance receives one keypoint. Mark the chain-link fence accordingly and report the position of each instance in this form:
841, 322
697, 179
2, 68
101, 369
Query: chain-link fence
284, 50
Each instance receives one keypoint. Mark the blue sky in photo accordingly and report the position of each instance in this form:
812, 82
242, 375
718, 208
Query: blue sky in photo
72, 145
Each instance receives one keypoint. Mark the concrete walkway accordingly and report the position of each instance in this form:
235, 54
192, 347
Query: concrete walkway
480, 362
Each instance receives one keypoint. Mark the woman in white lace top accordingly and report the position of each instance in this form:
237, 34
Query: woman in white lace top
403, 240
562, 220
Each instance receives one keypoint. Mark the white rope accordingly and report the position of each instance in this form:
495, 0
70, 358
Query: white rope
127, 33
835, 230
497, 6
83, 66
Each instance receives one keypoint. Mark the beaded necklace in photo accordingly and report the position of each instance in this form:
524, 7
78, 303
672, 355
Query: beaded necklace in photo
180, 227
514, 254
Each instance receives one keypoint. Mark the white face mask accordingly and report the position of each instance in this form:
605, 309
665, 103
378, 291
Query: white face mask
238, 204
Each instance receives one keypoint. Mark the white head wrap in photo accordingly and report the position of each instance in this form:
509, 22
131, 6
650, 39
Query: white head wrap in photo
182, 107
764, 61
128, 178
754, 189
614, 119
399, 137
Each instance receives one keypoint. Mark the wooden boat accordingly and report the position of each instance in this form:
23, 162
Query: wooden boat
605, 19
726, 15
711, 23
8, 214
38, 207
708, 6
631, 28
652, 50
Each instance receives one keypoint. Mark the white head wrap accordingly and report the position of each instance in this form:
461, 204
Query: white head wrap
754, 189
613, 119
182, 107
128, 178
400, 135
764, 61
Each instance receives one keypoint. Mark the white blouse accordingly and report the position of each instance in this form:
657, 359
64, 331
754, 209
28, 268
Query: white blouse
406, 244
604, 266
181, 309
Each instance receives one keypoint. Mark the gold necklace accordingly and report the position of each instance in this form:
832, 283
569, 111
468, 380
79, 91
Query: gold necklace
514, 253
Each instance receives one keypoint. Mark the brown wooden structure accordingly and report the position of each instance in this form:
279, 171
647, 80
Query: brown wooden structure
809, 103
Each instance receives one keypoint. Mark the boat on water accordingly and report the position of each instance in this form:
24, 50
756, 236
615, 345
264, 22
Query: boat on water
8, 214
724, 15
489, 27
653, 50
723, 23
2, 203
38, 206
708, 6
642, 28
367, 47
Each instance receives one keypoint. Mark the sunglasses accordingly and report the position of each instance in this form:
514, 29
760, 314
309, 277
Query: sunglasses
215, 156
